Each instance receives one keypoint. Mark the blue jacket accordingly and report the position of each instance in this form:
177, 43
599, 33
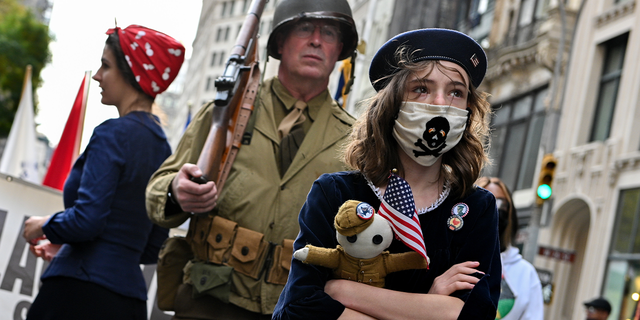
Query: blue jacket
303, 296
105, 229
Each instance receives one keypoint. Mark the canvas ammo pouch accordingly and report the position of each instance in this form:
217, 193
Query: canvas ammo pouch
174, 255
220, 241
279, 272
210, 279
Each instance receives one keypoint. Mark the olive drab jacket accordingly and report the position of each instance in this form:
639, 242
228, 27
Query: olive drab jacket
254, 195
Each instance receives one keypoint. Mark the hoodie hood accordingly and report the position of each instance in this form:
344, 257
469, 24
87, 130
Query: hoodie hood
511, 255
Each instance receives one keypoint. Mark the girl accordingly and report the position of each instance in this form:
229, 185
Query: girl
429, 123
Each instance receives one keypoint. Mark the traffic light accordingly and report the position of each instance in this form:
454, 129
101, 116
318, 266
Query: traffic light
545, 179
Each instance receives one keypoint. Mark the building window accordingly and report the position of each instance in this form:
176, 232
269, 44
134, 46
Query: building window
226, 34
209, 80
475, 18
222, 58
608, 90
622, 281
224, 9
219, 34
232, 4
515, 139
214, 59
245, 6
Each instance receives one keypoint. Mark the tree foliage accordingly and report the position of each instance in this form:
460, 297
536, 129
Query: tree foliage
23, 41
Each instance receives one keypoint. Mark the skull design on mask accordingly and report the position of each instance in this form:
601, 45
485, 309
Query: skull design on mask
435, 137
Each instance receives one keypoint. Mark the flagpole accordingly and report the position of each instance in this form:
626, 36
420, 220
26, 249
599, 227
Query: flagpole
85, 98
360, 59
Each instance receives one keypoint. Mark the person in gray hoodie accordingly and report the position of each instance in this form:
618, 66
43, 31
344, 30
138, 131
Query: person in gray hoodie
521, 291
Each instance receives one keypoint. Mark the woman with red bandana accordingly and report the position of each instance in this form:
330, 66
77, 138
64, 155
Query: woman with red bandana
103, 235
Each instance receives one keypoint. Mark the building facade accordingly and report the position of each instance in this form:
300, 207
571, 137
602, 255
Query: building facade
594, 216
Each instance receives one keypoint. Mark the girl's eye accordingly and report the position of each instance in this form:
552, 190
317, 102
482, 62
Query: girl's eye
420, 90
457, 93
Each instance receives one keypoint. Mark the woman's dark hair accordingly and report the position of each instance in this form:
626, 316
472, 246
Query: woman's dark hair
508, 219
113, 42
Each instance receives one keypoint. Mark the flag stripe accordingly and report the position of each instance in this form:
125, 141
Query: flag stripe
408, 236
408, 228
399, 208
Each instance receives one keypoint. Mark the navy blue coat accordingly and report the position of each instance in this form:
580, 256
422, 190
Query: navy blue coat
105, 229
303, 296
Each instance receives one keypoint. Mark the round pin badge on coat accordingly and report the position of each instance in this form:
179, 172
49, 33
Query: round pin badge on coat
461, 209
455, 223
364, 211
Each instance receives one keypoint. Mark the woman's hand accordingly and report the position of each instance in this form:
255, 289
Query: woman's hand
33, 229
458, 277
46, 250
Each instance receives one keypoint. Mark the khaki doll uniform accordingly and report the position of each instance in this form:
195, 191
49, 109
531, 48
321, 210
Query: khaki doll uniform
255, 196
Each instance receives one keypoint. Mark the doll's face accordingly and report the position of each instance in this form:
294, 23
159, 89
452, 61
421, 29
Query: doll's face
370, 242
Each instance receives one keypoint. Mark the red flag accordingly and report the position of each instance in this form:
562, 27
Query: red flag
68, 148
399, 208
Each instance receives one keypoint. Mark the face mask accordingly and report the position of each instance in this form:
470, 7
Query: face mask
426, 131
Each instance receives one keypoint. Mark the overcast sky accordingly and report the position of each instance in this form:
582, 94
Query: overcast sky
79, 28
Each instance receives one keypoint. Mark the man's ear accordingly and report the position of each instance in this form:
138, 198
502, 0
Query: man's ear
279, 42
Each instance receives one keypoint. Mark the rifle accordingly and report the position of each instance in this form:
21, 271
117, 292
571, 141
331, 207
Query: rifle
233, 103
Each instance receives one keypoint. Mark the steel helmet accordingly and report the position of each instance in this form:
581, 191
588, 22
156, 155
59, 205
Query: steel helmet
291, 11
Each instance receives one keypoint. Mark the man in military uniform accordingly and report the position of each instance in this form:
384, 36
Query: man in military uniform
242, 248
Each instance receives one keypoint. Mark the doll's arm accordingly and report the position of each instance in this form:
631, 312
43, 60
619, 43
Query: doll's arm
324, 257
404, 261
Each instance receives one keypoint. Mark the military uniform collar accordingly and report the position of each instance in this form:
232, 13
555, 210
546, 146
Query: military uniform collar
314, 105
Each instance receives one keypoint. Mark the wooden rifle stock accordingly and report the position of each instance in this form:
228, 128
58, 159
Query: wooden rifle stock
233, 104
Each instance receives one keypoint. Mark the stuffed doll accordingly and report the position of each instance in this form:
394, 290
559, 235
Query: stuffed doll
363, 235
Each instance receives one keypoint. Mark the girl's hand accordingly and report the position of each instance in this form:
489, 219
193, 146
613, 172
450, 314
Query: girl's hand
458, 277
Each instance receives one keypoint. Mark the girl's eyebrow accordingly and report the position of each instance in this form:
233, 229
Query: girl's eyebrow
428, 81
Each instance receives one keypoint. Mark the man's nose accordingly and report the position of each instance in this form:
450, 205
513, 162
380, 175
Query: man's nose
316, 37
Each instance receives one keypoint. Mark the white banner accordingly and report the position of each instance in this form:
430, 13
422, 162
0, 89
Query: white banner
20, 270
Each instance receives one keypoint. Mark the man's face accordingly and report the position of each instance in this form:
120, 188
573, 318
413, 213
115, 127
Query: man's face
596, 314
310, 49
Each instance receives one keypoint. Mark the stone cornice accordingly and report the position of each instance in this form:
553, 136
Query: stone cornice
615, 13
512, 57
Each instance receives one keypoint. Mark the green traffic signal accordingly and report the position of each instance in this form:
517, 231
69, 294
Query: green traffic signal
544, 191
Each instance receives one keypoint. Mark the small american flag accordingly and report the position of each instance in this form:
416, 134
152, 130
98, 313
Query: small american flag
399, 208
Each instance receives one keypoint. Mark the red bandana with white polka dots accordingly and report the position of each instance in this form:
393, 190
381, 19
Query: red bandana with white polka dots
154, 57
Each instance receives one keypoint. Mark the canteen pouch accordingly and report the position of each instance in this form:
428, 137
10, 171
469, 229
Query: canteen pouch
174, 255
212, 280
247, 252
279, 271
220, 239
